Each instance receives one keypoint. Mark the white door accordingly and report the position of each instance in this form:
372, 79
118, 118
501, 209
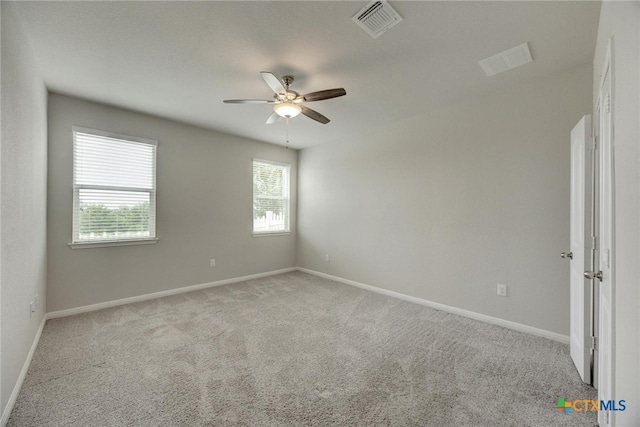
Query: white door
580, 247
605, 254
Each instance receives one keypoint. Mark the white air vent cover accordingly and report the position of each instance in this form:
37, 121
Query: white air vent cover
376, 18
506, 60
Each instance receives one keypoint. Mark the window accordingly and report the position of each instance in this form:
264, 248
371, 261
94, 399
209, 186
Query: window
114, 188
270, 197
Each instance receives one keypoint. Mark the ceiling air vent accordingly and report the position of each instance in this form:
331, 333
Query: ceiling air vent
506, 60
376, 18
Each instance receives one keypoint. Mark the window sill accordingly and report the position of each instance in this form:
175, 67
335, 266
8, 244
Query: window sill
271, 233
105, 243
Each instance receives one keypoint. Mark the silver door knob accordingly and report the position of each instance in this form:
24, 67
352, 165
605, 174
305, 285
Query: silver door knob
566, 255
593, 275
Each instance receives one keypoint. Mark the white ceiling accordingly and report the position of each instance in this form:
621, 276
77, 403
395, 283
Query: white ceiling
181, 59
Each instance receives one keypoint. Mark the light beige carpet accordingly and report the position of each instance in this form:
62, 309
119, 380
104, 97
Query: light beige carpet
292, 350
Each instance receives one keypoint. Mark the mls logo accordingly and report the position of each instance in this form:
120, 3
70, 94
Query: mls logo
588, 405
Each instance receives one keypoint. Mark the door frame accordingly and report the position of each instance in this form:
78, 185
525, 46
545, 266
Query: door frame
605, 249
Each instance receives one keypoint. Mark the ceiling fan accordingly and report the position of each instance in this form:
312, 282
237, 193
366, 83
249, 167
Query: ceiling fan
287, 103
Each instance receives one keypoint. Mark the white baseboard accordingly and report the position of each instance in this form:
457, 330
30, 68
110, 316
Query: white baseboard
459, 311
145, 297
23, 373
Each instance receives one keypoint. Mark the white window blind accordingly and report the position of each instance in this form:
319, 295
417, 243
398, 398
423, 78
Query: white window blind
114, 187
271, 182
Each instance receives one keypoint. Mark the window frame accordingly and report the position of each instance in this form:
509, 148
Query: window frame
287, 220
76, 243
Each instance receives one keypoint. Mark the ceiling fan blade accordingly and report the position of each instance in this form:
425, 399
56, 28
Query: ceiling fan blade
273, 82
273, 118
249, 101
313, 114
324, 94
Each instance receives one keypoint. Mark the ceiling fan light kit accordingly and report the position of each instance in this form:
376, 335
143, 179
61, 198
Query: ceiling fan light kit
287, 109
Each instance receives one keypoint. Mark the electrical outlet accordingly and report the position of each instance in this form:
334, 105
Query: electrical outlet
327, 258
502, 290
212, 262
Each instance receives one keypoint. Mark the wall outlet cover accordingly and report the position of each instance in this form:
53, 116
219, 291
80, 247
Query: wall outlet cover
502, 290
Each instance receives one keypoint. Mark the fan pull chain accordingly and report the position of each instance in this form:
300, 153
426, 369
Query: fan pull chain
286, 147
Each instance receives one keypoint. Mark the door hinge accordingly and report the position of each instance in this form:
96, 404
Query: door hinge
594, 243
594, 343
594, 143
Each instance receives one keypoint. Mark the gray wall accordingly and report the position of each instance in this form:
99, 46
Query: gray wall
444, 206
204, 210
622, 21
23, 200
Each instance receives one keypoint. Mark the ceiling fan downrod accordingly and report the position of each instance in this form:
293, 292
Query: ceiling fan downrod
287, 80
